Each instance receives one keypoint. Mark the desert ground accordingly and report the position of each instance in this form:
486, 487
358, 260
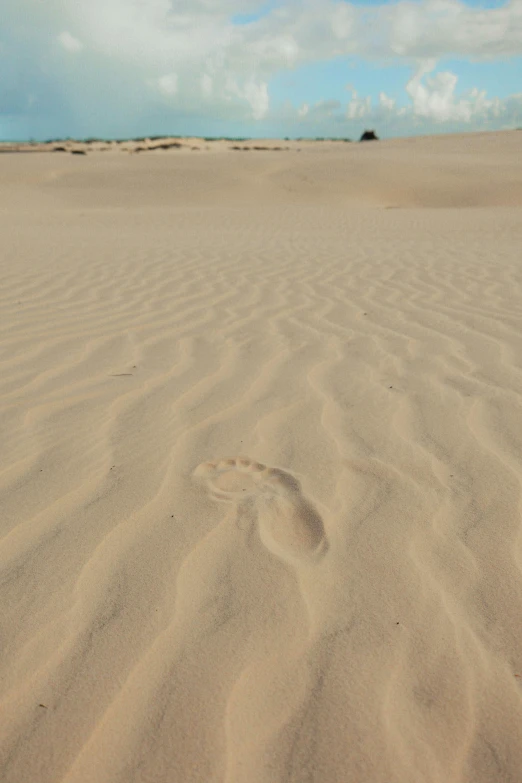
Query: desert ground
261, 464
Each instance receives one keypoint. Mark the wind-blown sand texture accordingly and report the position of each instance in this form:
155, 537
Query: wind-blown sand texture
261, 465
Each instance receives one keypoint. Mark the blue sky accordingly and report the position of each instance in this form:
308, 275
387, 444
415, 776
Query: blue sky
123, 68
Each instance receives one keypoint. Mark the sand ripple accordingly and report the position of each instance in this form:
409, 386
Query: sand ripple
350, 609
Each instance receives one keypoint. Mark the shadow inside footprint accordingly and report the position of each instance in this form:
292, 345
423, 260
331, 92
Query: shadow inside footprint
289, 525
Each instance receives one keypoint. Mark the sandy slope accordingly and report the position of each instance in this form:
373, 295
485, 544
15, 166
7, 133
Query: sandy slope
171, 615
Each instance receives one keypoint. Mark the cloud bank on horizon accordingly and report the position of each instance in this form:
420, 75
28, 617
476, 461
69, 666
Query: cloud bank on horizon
237, 68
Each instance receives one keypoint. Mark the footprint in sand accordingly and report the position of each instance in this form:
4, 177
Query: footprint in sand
289, 525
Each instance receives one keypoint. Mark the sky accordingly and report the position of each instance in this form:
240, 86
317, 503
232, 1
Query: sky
241, 68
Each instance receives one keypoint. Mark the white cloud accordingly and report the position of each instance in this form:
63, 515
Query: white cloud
69, 42
185, 34
358, 107
437, 28
257, 96
255, 93
386, 103
168, 83
325, 108
206, 84
433, 101
436, 99
137, 52
343, 20
273, 50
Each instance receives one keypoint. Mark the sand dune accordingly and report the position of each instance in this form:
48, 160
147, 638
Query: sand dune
261, 465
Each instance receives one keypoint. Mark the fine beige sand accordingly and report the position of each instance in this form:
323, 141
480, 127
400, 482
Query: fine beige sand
261, 464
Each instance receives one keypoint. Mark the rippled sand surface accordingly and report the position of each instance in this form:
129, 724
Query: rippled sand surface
261, 464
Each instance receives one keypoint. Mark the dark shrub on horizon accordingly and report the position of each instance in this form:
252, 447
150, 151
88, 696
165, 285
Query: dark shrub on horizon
369, 135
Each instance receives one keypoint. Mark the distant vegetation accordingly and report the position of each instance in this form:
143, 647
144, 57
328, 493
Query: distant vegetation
168, 145
56, 141
328, 138
154, 138
369, 135
226, 138
319, 138
246, 149
142, 139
